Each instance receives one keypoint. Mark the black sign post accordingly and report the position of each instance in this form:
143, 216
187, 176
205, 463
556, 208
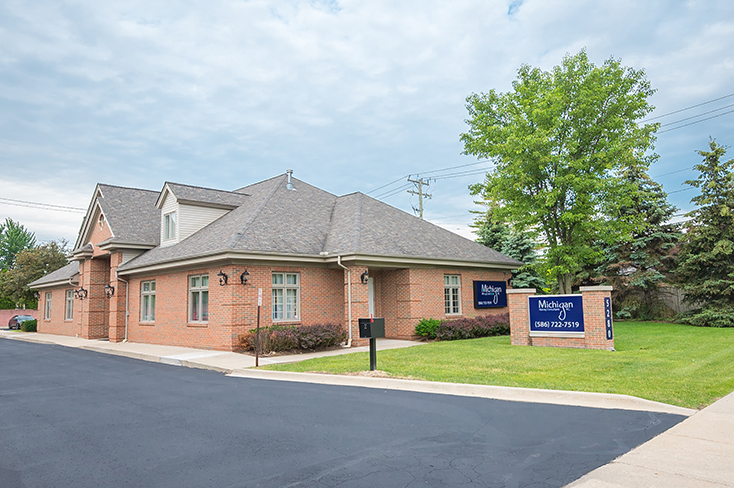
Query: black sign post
608, 317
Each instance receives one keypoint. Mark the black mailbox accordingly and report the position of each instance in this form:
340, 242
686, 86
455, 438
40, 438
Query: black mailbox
371, 328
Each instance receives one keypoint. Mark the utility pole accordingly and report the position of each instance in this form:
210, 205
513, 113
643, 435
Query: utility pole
419, 182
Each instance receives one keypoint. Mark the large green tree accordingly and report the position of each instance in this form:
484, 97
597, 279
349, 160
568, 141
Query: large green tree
638, 267
706, 257
14, 238
31, 264
560, 139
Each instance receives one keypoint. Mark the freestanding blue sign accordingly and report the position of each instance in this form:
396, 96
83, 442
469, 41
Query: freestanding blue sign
608, 317
490, 294
558, 313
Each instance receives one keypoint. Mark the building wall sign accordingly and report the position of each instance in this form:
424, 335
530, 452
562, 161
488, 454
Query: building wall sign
556, 313
490, 294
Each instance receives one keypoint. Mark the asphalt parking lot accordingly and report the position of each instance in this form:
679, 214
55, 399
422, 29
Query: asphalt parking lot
78, 418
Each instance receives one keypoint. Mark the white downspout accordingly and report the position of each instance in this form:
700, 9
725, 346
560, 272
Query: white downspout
127, 301
349, 292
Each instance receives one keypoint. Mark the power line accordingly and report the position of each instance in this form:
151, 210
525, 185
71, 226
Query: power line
688, 108
698, 115
383, 186
695, 122
41, 206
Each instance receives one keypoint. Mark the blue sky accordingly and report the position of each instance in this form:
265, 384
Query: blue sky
351, 95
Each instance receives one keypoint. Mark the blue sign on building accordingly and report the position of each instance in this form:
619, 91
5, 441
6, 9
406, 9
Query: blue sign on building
608, 317
490, 294
559, 313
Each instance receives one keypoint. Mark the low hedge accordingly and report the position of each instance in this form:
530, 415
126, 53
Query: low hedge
280, 338
29, 325
466, 328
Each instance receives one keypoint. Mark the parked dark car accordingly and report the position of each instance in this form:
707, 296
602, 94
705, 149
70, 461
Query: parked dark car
16, 320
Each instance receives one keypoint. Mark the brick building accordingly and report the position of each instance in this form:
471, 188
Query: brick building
182, 266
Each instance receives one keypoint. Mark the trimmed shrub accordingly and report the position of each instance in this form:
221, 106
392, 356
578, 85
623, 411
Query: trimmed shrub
29, 325
278, 338
427, 328
482, 326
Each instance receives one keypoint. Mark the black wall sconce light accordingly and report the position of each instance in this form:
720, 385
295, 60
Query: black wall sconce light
222, 278
109, 290
81, 293
365, 277
243, 277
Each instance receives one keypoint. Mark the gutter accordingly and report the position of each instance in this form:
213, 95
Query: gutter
349, 288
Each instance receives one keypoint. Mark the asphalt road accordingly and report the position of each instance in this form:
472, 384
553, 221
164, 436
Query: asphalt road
75, 418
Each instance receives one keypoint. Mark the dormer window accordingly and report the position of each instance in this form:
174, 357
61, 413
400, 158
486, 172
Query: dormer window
169, 226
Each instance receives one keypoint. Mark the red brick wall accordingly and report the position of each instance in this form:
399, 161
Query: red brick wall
6, 315
57, 325
233, 307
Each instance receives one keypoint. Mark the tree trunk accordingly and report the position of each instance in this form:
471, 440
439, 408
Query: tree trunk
564, 283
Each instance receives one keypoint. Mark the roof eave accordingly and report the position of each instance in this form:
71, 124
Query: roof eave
73, 281
330, 259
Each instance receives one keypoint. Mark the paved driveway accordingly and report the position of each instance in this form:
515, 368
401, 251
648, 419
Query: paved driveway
77, 418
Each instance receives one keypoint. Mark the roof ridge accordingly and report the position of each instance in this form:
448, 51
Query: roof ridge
259, 182
331, 224
255, 214
203, 188
128, 187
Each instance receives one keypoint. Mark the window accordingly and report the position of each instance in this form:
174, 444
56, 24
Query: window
199, 298
452, 294
47, 306
147, 301
286, 296
69, 309
169, 226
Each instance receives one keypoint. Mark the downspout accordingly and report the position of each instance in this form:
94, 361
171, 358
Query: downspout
127, 301
349, 291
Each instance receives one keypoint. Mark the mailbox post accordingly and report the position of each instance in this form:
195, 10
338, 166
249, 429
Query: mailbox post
371, 329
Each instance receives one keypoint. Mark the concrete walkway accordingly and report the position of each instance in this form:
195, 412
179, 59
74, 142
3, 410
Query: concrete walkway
698, 452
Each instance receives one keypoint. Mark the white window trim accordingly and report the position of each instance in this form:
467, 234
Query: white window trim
47, 306
198, 289
284, 287
170, 222
451, 303
145, 315
69, 305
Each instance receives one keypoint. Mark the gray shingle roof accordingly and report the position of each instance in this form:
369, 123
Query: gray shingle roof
206, 195
308, 221
62, 274
131, 214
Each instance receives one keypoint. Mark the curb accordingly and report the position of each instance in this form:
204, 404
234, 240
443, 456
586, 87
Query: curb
527, 395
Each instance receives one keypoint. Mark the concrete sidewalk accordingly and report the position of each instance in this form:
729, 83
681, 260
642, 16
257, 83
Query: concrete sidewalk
698, 452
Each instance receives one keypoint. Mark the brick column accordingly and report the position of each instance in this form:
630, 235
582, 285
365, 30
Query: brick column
517, 303
360, 302
94, 278
594, 318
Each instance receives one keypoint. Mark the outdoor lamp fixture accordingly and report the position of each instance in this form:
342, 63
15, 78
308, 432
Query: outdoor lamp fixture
109, 290
81, 293
222, 278
243, 277
364, 277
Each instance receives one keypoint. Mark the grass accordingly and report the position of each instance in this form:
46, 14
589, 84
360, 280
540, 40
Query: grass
670, 363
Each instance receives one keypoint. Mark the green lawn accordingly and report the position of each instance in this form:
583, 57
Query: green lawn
669, 363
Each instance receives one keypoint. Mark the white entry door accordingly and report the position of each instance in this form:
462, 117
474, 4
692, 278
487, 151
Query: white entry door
371, 294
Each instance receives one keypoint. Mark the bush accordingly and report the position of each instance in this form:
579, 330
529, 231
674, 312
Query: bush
483, 326
278, 338
709, 316
29, 325
427, 328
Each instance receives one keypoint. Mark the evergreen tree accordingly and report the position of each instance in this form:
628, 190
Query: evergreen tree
638, 266
518, 245
14, 238
706, 258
